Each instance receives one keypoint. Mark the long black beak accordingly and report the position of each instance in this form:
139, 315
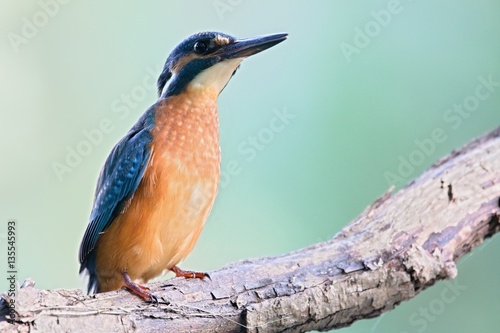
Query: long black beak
242, 48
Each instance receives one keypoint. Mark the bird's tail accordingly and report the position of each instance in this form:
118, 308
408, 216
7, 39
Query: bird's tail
87, 269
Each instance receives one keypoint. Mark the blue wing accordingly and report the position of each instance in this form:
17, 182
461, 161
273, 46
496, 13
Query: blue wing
120, 176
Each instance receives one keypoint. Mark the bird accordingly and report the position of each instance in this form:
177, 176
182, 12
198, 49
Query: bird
157, 187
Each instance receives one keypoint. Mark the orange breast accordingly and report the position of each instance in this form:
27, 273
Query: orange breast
162, 222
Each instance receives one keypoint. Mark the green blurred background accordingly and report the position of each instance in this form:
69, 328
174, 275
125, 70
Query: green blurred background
360, 81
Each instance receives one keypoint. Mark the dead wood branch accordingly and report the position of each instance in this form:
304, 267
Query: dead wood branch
397, 247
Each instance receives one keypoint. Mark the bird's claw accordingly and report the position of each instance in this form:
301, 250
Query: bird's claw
189, 274
153, 300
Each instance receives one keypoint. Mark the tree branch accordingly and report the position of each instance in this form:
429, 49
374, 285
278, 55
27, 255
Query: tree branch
397, 247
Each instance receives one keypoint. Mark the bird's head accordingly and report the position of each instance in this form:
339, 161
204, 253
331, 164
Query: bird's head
207, 60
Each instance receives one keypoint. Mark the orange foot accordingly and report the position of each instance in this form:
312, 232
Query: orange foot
139, 290
188, 274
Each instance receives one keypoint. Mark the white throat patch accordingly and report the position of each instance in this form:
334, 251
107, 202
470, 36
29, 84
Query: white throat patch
216, 76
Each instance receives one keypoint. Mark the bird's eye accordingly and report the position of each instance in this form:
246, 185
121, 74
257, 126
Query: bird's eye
200, 47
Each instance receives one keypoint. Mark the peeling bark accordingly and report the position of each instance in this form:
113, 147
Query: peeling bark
400, 245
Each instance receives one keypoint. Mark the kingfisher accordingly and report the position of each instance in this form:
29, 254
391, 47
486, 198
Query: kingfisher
158, 184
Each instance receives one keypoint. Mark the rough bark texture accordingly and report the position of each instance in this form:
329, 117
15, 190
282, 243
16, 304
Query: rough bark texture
400, 245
